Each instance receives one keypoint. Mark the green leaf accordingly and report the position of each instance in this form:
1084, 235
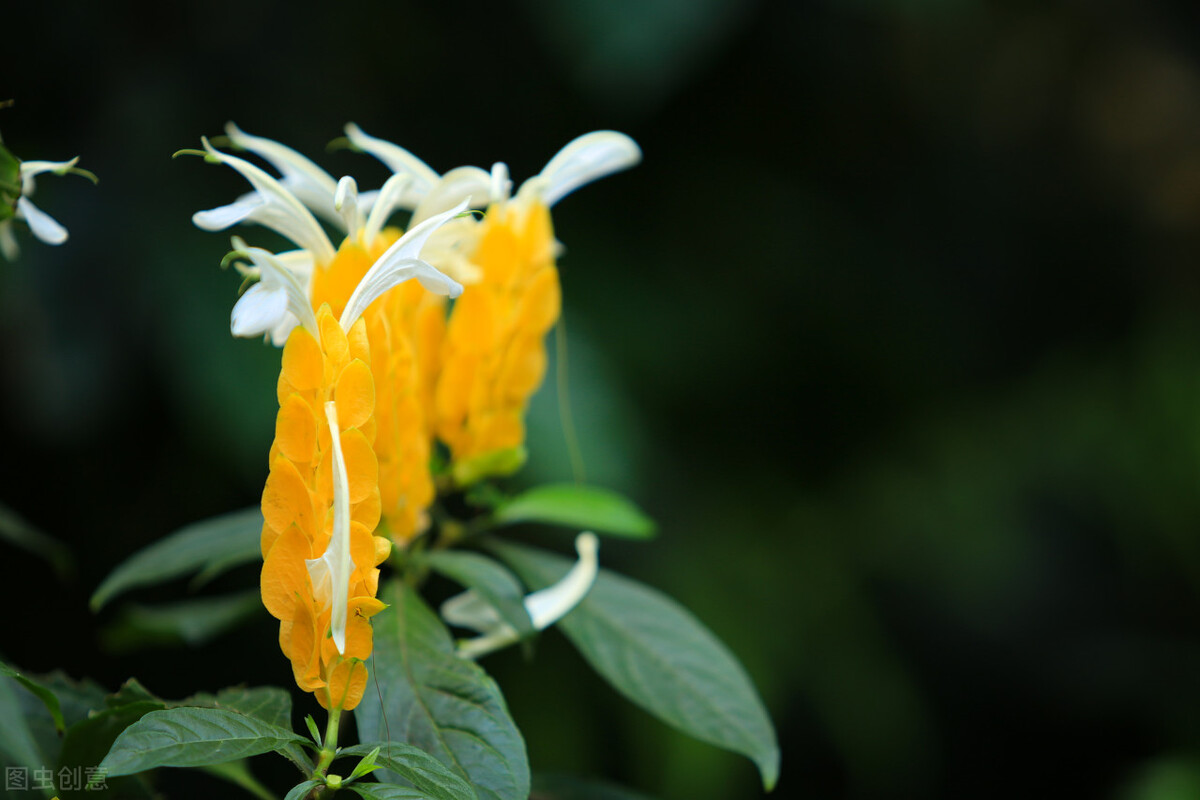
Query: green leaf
578, 507
267, 703
219, 543
493, 582
48, 698
440, 703
19, 533
89, 740
238, 773
569, 787
415, 768
661, 657
386, 791
301, 790
18, 746
192, 737
192, 622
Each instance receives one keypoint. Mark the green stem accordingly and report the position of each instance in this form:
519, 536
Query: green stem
329, 747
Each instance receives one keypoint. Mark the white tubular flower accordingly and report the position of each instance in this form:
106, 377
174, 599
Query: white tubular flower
274, 305
271, 205
311, 185
585, 159
41, 224
545, 606
400, 262
422, 177
330, 574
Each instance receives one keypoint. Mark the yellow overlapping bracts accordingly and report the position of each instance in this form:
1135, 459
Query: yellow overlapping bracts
404, 332
494, 356
298, 501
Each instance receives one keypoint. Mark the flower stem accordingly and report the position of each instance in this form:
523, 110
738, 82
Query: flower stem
329, 747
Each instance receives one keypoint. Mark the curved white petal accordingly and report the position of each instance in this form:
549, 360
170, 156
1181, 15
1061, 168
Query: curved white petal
399, 161
259, 310
280, 210
585, 159
276, 277
345, 203
31, 168
386, 202
470, 185
400, 262
8, 242
501, 187
280, 333
547, 606
42, 224
335, 566
222, 217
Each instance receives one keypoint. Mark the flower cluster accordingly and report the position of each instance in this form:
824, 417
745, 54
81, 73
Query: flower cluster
377, 368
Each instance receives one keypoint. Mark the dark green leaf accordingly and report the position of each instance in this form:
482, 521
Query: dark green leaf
89, 740
238, 773
48, 698
658, 655
493, 582
386, 791
416, 768
440, 703
192, 737
569, 787
267, 703
16, 531
192, 622
301, 790
221, 542
577, 507
18, 746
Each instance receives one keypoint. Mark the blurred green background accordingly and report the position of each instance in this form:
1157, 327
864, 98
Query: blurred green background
896, 332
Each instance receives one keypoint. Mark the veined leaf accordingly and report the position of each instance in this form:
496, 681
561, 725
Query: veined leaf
48, 698
18, 746
369, 790
267, 703
661, 657
493, 582
440, 703
417, 768
192, 737
193, 622
301, 790
577, 507
220, 542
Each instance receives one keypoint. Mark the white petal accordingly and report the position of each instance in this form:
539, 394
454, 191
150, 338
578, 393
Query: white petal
31, 168
277, 277
259, 310
280, 333
294, 167
281, 210
222, 217
398, 160
586, 159
470, 185
547, 606
42, 224
8, 242
501, 187
387, 201
398, 263
345, 202
335, 565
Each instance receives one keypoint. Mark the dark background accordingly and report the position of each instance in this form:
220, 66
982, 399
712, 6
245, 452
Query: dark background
895, 332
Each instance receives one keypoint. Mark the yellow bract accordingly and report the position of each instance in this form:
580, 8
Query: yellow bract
494, 354
298, 501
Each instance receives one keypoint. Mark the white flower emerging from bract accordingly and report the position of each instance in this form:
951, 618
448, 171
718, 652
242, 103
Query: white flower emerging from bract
270, 204
330, 574
400, 262
545, 606
274, 305
41, 224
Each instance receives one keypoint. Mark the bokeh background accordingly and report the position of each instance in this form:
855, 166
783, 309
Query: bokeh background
896, 332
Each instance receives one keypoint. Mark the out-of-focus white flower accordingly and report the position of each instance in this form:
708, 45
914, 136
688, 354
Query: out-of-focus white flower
545, 606
15, 191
